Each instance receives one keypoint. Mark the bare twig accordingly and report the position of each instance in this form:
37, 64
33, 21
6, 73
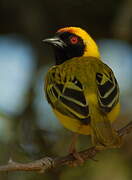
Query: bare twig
47, 162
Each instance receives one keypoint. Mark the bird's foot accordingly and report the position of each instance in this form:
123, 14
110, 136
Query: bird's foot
78, 159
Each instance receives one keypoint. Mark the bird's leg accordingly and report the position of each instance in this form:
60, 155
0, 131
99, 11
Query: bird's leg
72, 147
72, 150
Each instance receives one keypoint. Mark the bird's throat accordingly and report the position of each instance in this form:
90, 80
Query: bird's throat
60, 56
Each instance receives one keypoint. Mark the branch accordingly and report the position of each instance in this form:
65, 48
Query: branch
47, 162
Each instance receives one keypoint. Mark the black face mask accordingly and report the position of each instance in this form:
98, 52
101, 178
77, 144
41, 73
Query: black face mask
70, 49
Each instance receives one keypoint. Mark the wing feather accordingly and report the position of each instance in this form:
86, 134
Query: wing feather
68, 98
108, 89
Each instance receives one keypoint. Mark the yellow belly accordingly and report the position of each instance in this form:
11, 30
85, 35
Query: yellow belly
72, 124
76, 126
114, 113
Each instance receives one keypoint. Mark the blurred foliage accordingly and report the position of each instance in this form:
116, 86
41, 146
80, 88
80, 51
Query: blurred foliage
28, 128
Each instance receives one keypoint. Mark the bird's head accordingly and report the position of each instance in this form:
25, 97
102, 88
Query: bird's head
72, 42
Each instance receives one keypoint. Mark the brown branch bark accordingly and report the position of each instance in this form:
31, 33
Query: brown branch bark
47, 162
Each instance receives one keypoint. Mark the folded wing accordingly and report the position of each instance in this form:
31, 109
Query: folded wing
68, 98
108, 90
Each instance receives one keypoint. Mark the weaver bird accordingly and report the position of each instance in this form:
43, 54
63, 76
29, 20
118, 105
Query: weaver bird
81, 89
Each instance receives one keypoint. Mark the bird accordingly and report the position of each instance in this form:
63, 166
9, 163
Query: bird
81, 89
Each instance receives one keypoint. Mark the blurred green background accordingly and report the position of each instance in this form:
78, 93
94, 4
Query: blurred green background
28, 128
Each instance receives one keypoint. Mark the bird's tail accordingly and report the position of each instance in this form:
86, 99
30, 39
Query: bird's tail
102, 132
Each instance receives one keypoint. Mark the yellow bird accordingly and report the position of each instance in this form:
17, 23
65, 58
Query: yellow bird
81, 89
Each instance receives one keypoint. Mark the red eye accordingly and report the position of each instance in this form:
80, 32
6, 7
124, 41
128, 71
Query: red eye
74, 40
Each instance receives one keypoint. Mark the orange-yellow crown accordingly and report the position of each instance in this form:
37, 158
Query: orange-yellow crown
91, 47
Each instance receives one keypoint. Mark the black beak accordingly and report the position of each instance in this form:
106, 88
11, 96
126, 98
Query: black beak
55, 41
